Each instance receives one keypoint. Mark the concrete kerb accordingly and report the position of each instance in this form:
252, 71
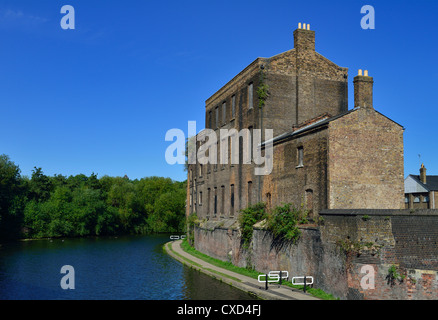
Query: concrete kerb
247, 284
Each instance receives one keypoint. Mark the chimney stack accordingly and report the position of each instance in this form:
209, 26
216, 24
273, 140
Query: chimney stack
363, 90
423, 173
304, 38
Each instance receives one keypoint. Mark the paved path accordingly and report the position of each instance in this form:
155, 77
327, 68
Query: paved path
274, 292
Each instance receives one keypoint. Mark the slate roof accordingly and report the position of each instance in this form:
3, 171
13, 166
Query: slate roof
323, 121
432, 182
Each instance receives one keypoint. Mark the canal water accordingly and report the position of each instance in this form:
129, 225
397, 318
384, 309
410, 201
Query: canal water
110, 268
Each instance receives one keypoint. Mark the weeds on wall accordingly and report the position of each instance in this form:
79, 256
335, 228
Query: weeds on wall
262, 91
192, 222
282, 222
394, 275
248, 218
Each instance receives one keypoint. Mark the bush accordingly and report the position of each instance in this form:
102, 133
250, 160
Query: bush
283, 222
248, 218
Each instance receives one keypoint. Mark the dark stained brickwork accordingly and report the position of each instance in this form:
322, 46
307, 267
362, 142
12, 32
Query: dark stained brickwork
344, 166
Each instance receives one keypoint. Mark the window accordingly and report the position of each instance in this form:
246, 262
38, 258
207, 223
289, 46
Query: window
249, 192
230, 152
416, 199
233, 106
250, 142
406, 199
425, 199
223, 200
232, 199
309, 201
268, 201
224, 112
223, 157
250, 95
200, 198
215, 201
300, 156
200, 170
208, 200
217, 117
209, 119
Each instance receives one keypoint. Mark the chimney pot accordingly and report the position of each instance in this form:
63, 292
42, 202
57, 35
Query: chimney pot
363, 90
304, 38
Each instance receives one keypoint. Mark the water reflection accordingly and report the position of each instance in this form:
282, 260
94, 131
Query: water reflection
122, 268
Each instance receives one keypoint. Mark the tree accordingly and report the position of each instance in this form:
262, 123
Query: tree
40, 185
11, 204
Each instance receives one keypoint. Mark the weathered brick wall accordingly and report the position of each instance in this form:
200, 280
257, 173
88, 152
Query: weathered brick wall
365, 162
302, 84
394, 237
335, 253
289, 182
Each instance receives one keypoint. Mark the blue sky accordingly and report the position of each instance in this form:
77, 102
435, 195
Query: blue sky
101, 98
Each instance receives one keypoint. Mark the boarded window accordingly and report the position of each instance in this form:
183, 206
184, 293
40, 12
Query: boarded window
223, 199
250, 95
232, 199
250, 142
208, 200
249, 192
224, 112
309, 201
233, 106
215, 201
300, 157
268, 201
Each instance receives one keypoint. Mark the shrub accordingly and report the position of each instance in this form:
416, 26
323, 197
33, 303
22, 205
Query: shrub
283, 222
247, 218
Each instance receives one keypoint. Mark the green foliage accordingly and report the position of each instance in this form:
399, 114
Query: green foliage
247, 218
262, 91
192, 221
11, 198
283, 222
394, 274
78, 206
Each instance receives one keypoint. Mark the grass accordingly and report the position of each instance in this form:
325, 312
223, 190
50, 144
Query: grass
318, 293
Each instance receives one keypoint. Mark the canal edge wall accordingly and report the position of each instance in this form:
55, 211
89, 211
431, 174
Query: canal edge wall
230, 278
398, 247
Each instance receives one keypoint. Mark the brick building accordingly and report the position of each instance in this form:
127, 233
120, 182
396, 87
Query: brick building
421, 191
326, 156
